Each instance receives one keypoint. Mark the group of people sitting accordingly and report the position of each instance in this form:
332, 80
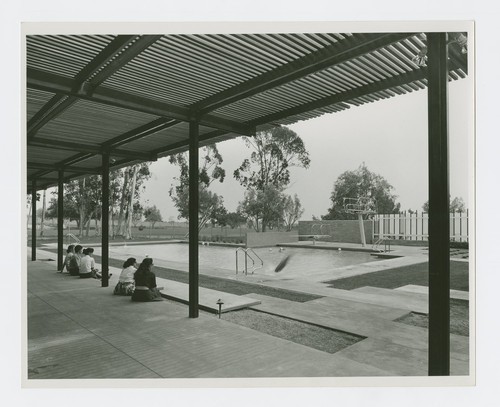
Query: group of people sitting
137, 281
79, 262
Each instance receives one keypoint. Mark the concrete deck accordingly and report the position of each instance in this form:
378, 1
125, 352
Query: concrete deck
77, 329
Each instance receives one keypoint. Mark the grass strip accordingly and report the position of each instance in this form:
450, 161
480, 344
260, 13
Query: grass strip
459, 318
417, 274
320, 338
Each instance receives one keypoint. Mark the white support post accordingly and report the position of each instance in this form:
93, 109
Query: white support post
362, 229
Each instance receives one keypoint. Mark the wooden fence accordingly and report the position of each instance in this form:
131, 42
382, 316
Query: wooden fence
414, 226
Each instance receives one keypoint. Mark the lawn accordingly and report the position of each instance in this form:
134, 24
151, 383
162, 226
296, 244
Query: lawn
459, 318
320, 338
417, 274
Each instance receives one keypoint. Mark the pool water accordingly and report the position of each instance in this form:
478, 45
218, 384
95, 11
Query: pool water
300, 261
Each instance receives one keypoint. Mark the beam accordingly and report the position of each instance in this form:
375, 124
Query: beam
151, 128
193, 219
119, 52
53, 108
324, 58
116, 54
50, 167
33, 219
105, 220
50, 82
439, 221
202, 139
60, 219
88, 148
345, 97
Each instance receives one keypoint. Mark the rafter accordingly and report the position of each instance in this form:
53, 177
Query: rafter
89, 148
150, 128
50, 82
117, 53
306, 65
202, 138
345, 97
69, 168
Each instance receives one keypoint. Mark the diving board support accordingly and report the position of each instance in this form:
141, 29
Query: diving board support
362, 229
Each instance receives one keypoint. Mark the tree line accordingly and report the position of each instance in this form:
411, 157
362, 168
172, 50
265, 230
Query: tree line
82, 201
265, 175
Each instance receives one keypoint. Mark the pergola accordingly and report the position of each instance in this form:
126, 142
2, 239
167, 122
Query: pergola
100, 102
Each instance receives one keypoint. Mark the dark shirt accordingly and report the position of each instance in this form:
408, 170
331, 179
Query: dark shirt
147, 279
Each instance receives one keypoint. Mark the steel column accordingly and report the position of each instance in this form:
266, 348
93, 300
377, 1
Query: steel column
193, 218
105, 220
439, 219
33, 219
60, 218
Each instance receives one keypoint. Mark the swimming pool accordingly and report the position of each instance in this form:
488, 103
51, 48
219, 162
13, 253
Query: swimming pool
302, 262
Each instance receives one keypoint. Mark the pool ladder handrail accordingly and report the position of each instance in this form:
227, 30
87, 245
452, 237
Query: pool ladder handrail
247, 255
378, 243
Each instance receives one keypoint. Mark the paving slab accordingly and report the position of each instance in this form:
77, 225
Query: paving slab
207, 298
419, 289
415, 301
377, 311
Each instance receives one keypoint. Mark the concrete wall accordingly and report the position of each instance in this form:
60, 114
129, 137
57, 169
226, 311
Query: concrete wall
344, 231
259, 239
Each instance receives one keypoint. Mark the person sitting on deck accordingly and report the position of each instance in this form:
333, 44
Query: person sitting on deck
95, 271
126, 283
145, 283
70, 252
74, 261
86, 269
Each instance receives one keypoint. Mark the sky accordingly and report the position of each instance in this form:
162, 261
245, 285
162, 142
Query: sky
389, 136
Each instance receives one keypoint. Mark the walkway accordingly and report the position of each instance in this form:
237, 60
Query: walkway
77, 329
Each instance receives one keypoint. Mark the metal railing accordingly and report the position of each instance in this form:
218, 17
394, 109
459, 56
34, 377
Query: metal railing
248, 255
379, 242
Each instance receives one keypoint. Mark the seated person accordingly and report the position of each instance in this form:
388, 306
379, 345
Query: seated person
145, 283
74, 261
126, 283
86, 261
70, 252
95, 271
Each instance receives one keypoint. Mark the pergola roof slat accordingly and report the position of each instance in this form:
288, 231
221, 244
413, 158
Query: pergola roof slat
133, 96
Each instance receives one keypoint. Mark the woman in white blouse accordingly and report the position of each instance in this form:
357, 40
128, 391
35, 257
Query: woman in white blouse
126, 283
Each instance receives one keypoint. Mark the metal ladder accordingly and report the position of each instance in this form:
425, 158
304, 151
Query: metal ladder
378, 243
248, 256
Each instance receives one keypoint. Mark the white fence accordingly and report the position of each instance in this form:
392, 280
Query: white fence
415, 226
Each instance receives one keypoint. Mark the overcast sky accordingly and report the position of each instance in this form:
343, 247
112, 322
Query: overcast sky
390, 136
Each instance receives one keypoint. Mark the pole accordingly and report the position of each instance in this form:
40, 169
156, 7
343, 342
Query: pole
362, 229
105, 219
439, 219
193, 218
60, 218
33, 219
